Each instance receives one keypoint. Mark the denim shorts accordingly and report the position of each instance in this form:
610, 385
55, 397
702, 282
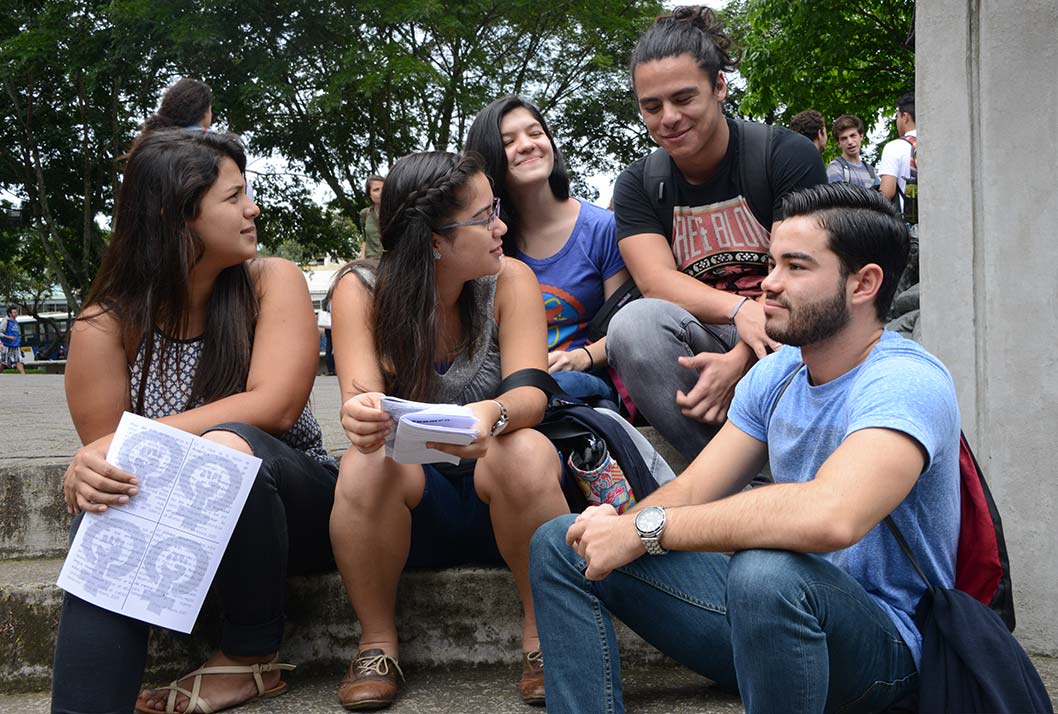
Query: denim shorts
451, 525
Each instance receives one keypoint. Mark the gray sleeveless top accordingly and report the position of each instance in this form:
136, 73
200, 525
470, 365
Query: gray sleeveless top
171, 397
474, 377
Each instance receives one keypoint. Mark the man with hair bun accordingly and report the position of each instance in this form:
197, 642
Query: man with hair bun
693, 225
814, 611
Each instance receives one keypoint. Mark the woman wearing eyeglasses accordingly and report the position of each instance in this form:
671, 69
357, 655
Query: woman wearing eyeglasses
444, 320
569, 244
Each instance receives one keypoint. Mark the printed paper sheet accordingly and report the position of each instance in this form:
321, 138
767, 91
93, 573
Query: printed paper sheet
154, 558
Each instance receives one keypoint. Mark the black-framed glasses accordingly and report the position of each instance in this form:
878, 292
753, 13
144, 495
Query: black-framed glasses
487, 222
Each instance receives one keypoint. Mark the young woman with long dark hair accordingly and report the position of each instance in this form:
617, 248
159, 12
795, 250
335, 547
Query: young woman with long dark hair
569, 244
185, 325
446, 319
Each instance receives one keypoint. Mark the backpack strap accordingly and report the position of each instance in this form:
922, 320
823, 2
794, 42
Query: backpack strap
657, 185
754, 168
907, 551
846, 170
623, 295
870, 170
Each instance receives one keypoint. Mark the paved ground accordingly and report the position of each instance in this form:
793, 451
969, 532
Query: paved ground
36, 423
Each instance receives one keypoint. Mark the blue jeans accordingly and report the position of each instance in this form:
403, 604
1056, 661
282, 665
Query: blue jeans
790, 631
644, 339
585, 385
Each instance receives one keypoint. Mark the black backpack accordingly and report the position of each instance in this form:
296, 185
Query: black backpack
754, 182
568, 423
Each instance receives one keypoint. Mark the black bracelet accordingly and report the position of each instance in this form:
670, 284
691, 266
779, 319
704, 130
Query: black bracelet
592, 361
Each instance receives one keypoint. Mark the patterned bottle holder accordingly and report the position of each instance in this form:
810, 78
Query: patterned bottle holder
605, 484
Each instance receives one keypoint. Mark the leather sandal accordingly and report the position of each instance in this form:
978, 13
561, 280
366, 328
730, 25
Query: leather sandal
197, 705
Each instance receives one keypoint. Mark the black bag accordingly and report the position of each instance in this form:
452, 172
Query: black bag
970, 661
569, 423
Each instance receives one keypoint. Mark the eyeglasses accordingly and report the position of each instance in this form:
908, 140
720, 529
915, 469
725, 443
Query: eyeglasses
487, 222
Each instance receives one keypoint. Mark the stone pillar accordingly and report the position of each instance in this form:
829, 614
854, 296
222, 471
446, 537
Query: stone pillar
987, 111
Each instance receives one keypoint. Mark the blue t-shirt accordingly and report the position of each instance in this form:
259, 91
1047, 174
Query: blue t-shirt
571, 279
899, 386
12, 331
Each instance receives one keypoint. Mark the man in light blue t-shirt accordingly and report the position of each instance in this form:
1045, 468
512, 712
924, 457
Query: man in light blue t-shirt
814, 611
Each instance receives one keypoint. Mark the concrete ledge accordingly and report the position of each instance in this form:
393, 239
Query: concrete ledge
457, 617
33, 518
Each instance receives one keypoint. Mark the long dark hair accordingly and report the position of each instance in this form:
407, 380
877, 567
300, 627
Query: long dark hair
144, 278
422, 191
484, 138
693, 30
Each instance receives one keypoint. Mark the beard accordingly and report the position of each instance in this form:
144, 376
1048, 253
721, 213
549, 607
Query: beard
811, 322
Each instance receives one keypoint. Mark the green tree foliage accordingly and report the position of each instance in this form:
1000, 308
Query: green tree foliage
834, 56
342, 89
333, 89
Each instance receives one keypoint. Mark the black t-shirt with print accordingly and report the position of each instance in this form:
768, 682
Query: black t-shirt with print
715, 236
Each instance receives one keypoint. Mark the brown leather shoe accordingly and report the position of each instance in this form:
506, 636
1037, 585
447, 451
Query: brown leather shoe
371, 682
531, 686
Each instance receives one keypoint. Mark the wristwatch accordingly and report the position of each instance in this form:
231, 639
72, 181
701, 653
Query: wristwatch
502, 422
650, 522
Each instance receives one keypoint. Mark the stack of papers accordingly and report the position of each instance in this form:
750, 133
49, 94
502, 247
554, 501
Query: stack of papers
419, 423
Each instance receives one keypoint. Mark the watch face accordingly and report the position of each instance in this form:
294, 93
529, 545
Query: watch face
650, 519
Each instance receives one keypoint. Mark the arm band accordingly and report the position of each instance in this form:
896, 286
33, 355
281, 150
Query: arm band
590, 359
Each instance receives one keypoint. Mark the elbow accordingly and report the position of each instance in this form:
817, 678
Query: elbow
835, 529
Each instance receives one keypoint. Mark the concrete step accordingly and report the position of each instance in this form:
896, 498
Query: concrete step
457, 617
653, 689
33, 518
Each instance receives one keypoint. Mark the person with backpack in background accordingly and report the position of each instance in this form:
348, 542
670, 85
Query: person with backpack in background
815, 610
898, 166
693, 224
11, 336
850, 166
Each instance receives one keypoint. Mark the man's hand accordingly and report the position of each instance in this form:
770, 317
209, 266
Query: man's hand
605, 540
750, 325
718, 374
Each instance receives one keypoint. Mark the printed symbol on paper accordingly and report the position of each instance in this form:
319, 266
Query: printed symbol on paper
110, 548
153, 458
175, 567
211, 483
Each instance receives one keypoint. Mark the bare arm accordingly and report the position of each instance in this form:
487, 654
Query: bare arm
356, 362
888, 186
98, 383
856, 487
523, 340
578, 359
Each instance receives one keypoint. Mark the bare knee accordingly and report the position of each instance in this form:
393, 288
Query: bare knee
371, 481
518, 463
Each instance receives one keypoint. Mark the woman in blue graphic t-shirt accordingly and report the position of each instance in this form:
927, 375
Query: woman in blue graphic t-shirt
569, 244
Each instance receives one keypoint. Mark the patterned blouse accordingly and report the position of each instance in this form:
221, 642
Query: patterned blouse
162, 399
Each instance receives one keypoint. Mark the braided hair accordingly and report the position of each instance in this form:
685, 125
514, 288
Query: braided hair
422, 191
693, 30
